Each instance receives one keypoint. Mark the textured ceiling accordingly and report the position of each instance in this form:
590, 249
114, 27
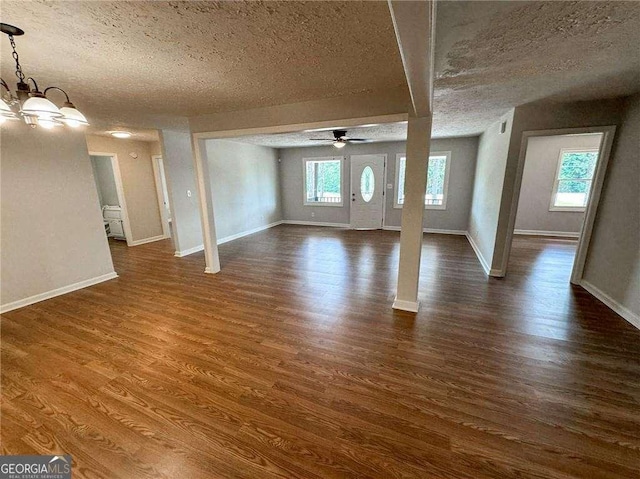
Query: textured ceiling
136, 63
151, 64
492, 56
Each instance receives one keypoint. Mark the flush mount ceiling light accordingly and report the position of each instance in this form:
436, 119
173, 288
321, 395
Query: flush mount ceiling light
120, 134
31, 104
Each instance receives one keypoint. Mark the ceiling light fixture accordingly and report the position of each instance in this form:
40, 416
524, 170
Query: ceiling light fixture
340, 143
31, 104
120, 134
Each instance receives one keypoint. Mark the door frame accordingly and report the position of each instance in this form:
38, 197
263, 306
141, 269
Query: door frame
155, 161
384, 188
604, 153
117, 176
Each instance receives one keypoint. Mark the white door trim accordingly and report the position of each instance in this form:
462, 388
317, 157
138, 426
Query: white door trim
155, 161
117, 176
606, 144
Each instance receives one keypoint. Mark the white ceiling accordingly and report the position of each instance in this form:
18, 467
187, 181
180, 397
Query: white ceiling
151, 64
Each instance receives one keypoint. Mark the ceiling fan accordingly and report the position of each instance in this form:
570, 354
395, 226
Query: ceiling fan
340, 139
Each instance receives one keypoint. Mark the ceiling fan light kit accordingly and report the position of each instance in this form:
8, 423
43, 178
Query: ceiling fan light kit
340, 139
29, 103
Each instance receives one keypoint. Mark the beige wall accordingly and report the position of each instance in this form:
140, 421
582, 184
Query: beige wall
245, 187
613, 260
138, 183
52, 235
538, 179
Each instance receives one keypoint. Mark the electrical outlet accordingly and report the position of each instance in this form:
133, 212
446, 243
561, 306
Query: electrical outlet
313, 215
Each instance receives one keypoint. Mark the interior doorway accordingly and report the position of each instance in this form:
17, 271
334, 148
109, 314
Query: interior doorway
367, 191
561, 177
163, 195
106, 174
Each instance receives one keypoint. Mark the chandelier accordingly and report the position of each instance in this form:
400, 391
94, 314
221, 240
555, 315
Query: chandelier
31, 104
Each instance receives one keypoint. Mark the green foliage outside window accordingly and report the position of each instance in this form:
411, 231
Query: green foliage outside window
323, 181
576, 171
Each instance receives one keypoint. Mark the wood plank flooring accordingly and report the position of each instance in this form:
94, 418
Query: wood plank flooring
291, 363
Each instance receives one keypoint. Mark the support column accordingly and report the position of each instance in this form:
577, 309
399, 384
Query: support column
415, 185
209, 237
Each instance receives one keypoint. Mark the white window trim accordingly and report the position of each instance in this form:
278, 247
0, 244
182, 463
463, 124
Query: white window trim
443, 206
556, 181
304, 181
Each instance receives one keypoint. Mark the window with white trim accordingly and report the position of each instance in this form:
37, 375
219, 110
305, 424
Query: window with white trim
437, 180
573, 179
323, 181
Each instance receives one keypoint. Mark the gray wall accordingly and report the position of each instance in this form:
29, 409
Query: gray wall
540, 167
177, 155
244, 186
455, 217
487, 188
541, 116
105, 182
51, 225
613, 260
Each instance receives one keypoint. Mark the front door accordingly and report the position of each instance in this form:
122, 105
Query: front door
367, 191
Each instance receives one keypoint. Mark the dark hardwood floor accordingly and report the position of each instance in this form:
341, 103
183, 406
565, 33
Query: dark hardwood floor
291, 363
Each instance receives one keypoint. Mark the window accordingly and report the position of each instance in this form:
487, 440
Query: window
437, 180
323, 181
573, 180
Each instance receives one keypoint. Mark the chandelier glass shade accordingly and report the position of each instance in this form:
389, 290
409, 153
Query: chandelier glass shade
29, 103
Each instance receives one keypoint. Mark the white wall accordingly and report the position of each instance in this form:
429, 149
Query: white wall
455, 217
177, 155
540, 167
245, 186
487, 189
138, 183
105, 181
613, 260
52, 236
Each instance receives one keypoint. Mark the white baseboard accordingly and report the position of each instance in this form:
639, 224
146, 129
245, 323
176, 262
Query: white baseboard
147, 240
483, 262
429, 230
626, 313
411, 306
559, 234
56, 292
314, 223
187, 252
226, 239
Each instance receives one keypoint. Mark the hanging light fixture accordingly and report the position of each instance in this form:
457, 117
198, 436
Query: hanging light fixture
33, 105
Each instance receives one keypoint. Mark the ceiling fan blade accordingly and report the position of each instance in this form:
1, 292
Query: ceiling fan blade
359, 140
320, 139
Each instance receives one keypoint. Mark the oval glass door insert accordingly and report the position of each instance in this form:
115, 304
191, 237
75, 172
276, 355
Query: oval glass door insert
367, 184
